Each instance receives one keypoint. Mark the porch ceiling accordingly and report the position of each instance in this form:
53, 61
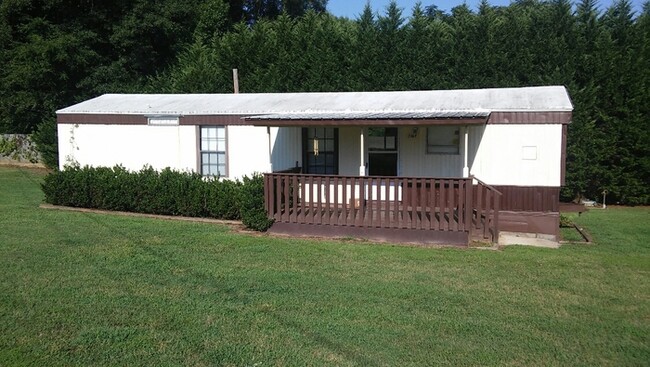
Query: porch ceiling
392, 118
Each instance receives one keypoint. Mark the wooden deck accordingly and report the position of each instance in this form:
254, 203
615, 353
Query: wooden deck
430, 209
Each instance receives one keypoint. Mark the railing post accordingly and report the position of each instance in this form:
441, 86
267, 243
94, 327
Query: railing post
294, 199
271, 196
497, 205
266, 195
469, 205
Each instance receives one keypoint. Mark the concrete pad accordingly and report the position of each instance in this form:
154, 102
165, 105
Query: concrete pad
525, 239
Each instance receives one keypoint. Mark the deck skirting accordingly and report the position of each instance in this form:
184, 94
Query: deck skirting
393, 235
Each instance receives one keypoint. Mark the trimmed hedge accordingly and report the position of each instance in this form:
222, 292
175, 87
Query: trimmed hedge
251, 204
167, 192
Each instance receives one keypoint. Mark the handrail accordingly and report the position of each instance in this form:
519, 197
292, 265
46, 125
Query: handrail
368, 176
486, 185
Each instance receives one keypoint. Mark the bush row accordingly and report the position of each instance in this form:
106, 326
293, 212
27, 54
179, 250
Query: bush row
167, 192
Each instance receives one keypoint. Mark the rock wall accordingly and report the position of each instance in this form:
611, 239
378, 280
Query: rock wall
18, 149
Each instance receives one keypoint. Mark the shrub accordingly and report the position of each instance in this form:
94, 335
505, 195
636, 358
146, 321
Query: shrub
166, 192
251, 203
45, 138
221, 199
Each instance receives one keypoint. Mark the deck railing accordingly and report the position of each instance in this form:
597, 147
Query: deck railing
419, 203
487, 203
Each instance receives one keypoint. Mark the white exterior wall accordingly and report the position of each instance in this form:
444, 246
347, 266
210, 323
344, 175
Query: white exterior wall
349, 154
413, 159
132, 146
287, 147
247, 150
508, 154
518, 155
496, 154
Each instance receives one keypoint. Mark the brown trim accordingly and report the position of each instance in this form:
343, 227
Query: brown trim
101, 119
141, 119
212, 120
368, 122
562, 117
529, 198
197, 128
225, 131
563, 155
376, 234
524, 117
530, 222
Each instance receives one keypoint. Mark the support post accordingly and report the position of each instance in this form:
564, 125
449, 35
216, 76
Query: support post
465, 150
268, 134
362, 156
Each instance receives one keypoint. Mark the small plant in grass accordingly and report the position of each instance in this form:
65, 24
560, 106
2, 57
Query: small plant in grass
565, 221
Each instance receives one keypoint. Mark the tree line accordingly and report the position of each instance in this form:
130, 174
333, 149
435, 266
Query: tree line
58, 52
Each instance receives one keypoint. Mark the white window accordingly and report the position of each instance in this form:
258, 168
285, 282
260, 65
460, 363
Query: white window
443, 140
163, 120
213, 151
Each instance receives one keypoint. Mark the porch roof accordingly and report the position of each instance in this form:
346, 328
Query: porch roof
370, 118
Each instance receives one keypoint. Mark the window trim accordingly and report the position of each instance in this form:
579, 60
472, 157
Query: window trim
201, 151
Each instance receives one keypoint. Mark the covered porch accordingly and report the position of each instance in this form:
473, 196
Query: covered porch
399, 177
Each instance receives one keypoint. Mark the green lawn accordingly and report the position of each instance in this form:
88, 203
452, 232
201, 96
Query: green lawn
91, 289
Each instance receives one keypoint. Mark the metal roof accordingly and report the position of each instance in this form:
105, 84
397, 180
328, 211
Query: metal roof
339, 104
372, 115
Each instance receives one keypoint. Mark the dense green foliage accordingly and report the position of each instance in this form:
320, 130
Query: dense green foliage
45, 138
166, 192
55, 54
82, 289
250, 202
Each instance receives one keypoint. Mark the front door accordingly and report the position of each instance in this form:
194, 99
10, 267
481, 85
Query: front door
382, 151
320, 150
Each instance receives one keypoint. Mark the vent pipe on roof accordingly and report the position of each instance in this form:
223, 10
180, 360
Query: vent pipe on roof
235, 81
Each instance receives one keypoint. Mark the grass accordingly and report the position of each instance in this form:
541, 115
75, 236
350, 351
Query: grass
92, 289
571, 234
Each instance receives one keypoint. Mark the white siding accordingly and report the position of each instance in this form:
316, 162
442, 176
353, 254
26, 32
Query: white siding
287, 147
349, 157
248, 150
413, 160
412, 157
132, 146
523, 155
504, 154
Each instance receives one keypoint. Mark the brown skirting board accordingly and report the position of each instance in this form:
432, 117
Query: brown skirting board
530, 222
426, 237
